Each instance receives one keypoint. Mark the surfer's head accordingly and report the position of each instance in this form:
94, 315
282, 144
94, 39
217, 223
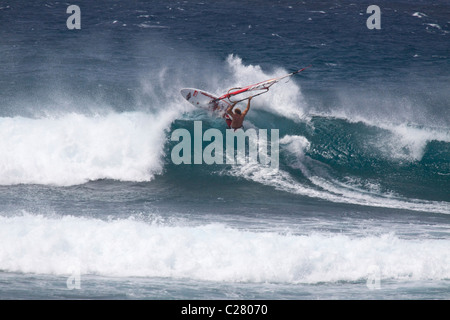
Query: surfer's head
237, 111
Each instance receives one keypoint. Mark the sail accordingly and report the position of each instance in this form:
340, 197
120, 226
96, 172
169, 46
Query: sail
253, 90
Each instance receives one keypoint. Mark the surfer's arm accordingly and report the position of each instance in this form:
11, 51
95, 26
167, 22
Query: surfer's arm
230, 108
248, 107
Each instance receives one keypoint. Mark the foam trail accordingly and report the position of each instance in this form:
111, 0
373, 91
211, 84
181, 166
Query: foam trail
212, 252
75, 148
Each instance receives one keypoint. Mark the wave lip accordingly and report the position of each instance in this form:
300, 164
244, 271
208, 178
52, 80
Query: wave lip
75, 148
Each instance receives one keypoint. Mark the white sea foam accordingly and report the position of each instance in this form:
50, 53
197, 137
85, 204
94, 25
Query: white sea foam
419, 14
214, 252
409, 142
296, 144
434, 25
405, 141
75, 148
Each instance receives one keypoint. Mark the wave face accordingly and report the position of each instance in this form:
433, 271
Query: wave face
322, 155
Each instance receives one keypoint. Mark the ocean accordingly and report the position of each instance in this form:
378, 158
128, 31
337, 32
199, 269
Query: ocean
92, 205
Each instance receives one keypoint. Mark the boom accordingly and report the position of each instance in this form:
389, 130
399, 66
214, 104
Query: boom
262, 86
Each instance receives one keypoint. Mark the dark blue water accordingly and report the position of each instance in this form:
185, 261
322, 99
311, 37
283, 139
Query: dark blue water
92, 205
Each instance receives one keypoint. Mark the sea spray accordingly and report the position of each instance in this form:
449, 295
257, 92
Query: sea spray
75, 148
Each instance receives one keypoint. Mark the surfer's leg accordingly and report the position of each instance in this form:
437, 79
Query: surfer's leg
228, 120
